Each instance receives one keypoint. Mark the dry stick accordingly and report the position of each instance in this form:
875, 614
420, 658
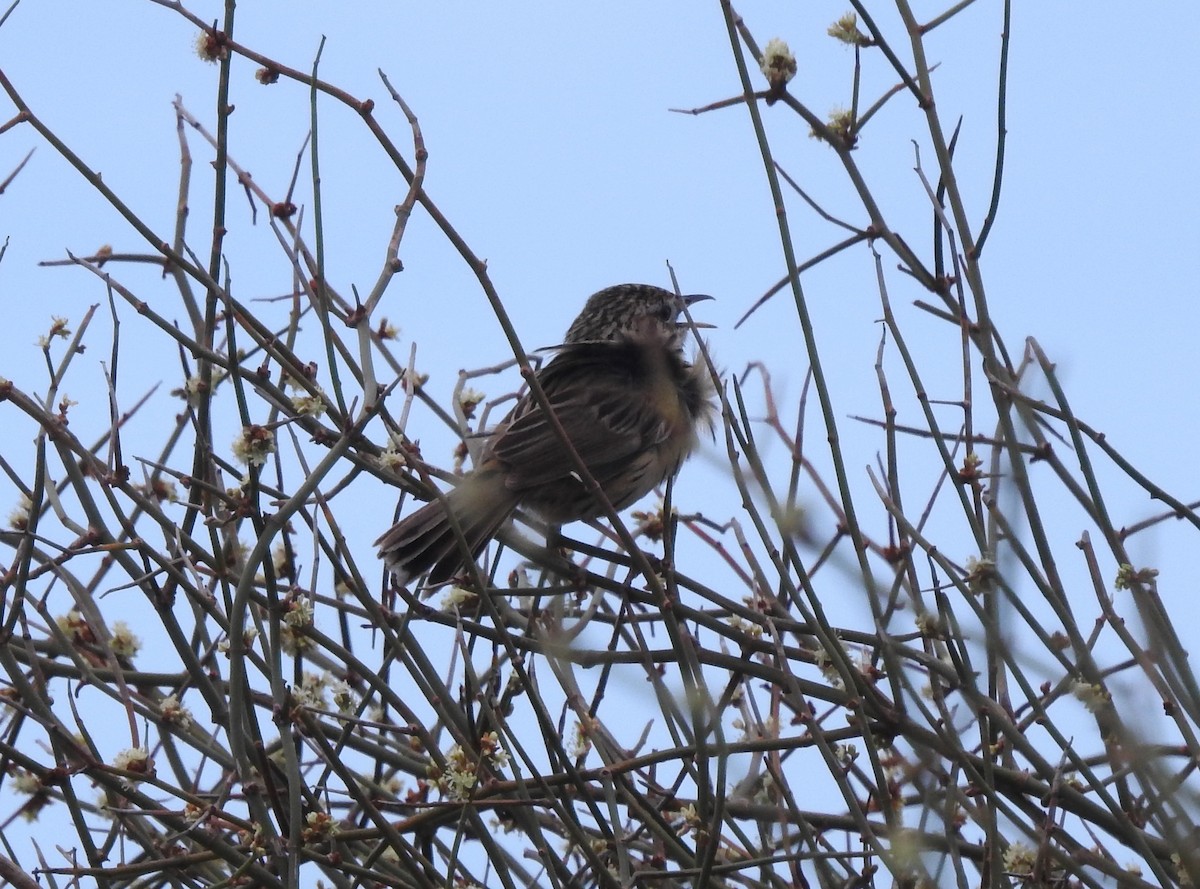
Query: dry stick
241, 731
392, 262
819, 378
816, 620
320, 288
7, 181
1113, 818
1149, 603
477, 266
1145, 658
800, 269
1001, 114
404, 209
201, 466
179, 241
985, 343
820, 382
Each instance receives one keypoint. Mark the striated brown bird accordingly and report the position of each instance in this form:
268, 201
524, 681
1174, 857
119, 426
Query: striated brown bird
630, 403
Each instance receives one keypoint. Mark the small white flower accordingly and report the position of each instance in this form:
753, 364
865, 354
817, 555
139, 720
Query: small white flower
193, 390
343, 698
927, 624
581, 743
469, 399
690, 819
124, 643
248, 636
25, 782
981, 575
489, 744
18, 519
392, 457
846, 30
174, 712
311, 691
459, 777
299, 613
58, 328
319, 826
825, 664
309, 405
846, 754
1019, 859
1094, 697
741, 625
1181, 872
455, 597
778, 63
254, 445
134, 759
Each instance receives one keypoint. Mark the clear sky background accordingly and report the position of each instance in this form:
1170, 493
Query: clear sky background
554, 152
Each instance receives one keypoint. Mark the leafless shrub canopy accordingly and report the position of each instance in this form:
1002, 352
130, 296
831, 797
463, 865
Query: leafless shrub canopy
680, 712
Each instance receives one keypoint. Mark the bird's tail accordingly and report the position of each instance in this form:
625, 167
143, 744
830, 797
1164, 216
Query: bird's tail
427, 541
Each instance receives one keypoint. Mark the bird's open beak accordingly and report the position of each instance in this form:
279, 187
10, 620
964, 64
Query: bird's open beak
689, 300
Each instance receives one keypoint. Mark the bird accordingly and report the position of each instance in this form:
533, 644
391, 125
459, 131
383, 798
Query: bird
631, 404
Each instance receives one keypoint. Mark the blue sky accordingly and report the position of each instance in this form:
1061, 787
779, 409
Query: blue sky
554, 153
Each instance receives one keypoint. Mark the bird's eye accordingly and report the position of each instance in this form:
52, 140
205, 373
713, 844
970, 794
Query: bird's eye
665, 311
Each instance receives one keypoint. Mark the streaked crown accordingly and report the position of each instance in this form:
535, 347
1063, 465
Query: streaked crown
627, 308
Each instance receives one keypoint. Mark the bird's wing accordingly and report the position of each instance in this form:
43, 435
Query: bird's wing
607, 412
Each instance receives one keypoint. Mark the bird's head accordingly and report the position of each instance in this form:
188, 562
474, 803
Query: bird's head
631, 310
